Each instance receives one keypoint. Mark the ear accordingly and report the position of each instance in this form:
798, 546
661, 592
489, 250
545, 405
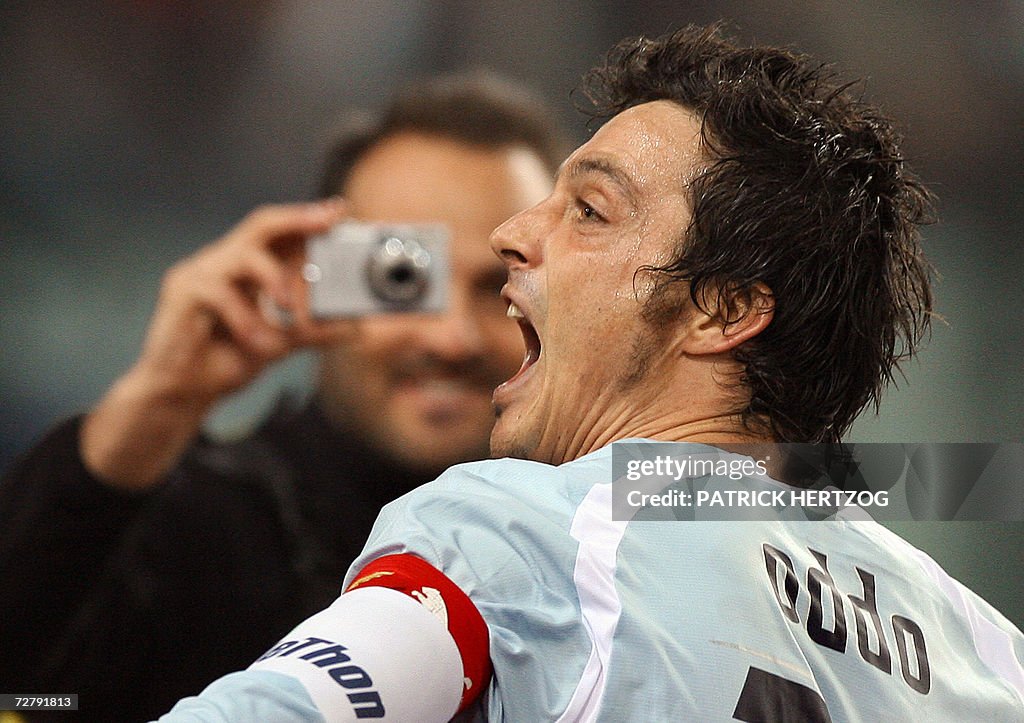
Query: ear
727, 318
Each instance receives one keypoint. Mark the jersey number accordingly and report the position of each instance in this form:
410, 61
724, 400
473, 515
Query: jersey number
769, 697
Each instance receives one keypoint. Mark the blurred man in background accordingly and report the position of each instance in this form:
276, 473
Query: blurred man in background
150, 559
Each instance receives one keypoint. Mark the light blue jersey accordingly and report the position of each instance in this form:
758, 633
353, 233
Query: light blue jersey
603, 620
593, 619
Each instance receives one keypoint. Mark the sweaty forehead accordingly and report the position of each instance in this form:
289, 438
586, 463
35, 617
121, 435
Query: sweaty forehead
659, 140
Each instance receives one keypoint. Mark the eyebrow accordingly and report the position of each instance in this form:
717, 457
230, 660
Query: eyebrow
602, 167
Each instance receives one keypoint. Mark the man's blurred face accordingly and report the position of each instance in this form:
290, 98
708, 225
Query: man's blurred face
418, 387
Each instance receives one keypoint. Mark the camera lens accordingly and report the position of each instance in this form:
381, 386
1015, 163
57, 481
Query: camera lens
398, 271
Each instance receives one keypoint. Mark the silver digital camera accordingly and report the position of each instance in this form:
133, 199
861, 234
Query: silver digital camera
369, 268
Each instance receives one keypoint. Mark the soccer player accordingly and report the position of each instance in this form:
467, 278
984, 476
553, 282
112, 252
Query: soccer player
732, 258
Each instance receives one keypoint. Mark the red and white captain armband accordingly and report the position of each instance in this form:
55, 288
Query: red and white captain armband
403, 642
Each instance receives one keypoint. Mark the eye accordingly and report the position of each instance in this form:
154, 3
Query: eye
588, 212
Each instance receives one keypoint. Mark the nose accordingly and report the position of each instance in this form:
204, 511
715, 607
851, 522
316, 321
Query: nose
517, 241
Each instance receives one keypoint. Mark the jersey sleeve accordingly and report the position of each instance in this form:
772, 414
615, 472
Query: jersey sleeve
500, 531
423, 582
376, 653
247, 696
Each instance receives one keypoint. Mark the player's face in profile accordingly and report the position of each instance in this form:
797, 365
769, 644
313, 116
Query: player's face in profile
416, 386
619, 204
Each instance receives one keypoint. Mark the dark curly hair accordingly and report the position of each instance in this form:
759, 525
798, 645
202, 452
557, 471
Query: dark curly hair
805, 191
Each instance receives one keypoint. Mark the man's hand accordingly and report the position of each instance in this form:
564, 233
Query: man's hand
208, 338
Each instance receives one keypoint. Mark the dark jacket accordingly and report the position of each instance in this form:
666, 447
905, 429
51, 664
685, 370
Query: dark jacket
135, 601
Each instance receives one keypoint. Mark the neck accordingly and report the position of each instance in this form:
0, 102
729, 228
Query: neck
676, 425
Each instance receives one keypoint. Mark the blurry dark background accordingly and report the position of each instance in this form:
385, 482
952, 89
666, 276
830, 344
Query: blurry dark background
134, 131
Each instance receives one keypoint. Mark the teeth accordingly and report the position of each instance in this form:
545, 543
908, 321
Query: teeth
514, 312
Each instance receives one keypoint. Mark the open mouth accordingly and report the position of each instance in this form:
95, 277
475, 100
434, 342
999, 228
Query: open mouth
530, 339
